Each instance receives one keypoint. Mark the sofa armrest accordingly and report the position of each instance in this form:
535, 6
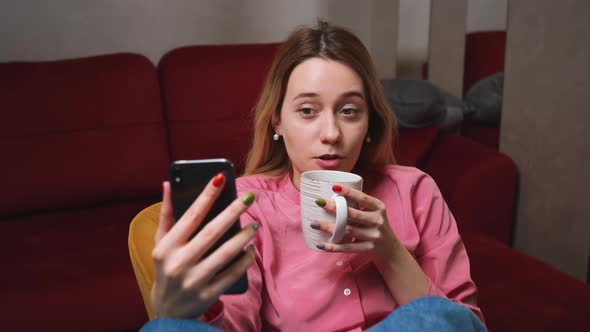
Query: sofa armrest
478, 183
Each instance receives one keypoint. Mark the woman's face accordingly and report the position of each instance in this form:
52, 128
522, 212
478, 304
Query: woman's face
324, 117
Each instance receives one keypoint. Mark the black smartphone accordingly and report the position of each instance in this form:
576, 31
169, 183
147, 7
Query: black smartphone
188, 178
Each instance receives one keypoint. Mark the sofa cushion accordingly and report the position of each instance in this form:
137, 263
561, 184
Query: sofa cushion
80, 131
209, 93
71, 271
519, 293
481, 133
415, 144
477, 182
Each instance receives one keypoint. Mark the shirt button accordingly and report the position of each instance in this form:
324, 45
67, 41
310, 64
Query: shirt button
347, 292
339, 263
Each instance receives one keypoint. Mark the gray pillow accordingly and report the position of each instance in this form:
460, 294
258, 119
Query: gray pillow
419, 103
484, 100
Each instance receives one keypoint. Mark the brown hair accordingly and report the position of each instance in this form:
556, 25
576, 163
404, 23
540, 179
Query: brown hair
329, 42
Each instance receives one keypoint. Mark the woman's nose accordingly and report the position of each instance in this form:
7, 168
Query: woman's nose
330, 131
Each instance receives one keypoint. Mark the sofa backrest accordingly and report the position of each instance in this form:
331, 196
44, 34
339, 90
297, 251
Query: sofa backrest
484, 56
81, 131
209, 94
477, 182
415, 144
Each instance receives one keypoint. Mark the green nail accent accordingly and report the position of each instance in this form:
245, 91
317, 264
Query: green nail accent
320, 246
255, 225
248, 198
251, 247
315, 225
320, 202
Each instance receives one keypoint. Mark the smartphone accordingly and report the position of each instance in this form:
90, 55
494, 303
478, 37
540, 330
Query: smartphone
188, 178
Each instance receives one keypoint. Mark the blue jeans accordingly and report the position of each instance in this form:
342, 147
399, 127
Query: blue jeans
424, 314
430, 314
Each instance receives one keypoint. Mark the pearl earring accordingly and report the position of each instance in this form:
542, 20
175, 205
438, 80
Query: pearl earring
368, 140
275, 136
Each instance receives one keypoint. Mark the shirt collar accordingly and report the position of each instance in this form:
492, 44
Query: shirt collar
288, 190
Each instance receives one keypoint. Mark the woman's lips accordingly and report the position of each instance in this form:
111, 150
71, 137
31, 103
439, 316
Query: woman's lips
328, 163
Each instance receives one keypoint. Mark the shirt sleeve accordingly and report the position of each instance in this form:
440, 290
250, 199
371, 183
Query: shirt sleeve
241, 312
441, 253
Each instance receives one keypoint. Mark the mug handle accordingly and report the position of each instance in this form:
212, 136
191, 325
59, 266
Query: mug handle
341, 218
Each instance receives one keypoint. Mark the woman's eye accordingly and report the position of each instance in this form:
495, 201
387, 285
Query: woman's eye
349, 111
306, 111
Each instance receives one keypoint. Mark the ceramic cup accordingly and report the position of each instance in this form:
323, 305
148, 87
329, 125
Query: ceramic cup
318, 184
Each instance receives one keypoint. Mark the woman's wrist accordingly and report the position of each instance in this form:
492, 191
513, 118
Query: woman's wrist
392, 256
403, 276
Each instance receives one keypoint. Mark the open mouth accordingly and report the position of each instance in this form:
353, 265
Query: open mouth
330, 157
329, 161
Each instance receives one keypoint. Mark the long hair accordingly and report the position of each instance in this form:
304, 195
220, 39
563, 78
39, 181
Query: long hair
329, 42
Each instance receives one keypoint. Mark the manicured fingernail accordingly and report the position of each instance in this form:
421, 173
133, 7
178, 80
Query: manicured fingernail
315, 225
336, 188
248, 199
320, 246
251, 247
320, 202
255, 225
218, 179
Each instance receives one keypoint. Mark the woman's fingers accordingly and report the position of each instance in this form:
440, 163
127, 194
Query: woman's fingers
193, 216
364, 201
215, 229
166, 215
185, 283
350, 232
354, 215
217, 260
363, 246
228, 277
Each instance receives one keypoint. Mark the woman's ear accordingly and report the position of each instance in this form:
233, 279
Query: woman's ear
275, 122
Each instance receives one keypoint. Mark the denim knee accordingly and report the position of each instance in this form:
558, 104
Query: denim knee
431, 314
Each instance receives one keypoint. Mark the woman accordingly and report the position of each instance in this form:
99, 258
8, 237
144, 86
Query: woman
321, 107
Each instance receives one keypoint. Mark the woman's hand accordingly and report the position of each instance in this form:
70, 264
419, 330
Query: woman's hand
368, 228
368, 231
186, 283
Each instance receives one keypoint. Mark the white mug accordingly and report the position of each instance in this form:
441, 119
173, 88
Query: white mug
318, 184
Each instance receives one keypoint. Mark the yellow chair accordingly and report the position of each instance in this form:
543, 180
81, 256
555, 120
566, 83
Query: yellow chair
142, 232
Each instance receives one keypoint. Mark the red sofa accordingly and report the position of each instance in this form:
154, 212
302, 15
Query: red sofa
86, 143
484, 56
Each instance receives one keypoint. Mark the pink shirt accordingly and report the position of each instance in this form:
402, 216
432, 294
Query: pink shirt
293, 288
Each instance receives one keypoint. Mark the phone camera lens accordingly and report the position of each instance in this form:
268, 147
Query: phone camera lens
176, 174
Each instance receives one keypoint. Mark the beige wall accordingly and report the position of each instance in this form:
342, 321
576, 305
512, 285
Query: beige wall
485, 15
413, 39
447, 45
546, 128
45, 30
414, 29
41, 30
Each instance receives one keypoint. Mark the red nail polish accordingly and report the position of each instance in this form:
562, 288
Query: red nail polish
336, 188
218, 179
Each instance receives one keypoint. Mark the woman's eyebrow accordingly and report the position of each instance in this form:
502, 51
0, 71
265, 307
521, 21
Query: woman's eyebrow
353, 94
306, 95
343, 96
